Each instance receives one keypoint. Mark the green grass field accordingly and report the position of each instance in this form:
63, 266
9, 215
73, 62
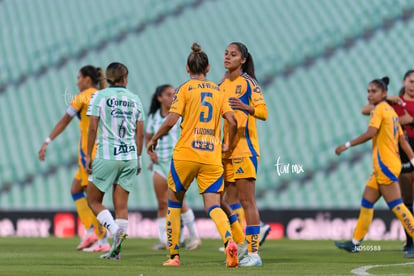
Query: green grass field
53, 256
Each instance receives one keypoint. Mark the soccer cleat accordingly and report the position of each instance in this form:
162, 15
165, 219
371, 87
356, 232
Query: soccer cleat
193, 243
408, 251
96, 247
87, 241
407, 247
159, 246
251, 260
108, 256
172, 262
348, 246
118, 238
264, 231
221, 249
231, 254
242, 250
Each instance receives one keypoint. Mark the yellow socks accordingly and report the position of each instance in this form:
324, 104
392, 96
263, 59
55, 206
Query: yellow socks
363, 223
239, 211
253, 238
403, 214
366, 214
173, 224
236, 229
221, 221
84, 212
100, 231
86, 216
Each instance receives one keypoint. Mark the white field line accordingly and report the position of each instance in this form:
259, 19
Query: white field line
363, 270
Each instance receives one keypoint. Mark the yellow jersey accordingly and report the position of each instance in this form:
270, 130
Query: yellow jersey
79, 106
385, 155
249, 92
201, 105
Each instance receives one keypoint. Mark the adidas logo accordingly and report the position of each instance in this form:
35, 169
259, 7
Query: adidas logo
239, 170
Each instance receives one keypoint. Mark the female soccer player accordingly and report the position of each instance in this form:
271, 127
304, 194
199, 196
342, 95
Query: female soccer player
89, 79
197, 153
404, 107
405, 112
119, 115
160, 158
386, 133
240, 165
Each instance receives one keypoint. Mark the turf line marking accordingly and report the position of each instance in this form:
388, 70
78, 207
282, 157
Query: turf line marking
363, 269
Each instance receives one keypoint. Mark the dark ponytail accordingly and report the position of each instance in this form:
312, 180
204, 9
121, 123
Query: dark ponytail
406, 75
248, 66
382, 83
95, 74
197, 60
115, 72
155, 104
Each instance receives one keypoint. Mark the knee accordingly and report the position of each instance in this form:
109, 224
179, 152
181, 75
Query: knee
208, 209
76, 190
247, 200
91, 202
162, 206
393, 203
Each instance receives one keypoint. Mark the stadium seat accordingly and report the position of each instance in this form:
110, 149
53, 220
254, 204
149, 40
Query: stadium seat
312, 109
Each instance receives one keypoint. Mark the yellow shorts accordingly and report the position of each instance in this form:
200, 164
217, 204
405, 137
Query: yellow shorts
81, 173
182, 173
238, 168
382, 176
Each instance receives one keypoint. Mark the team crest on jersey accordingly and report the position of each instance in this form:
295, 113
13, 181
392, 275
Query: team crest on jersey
237, 161
238, 89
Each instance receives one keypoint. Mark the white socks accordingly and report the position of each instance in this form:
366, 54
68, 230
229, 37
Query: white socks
105, 218
162, 231
188, 219
123, 224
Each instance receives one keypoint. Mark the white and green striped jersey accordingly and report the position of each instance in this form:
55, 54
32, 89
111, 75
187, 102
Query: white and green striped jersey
118, 110
166, 144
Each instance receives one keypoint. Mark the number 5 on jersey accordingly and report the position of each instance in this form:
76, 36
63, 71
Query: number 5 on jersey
205, 97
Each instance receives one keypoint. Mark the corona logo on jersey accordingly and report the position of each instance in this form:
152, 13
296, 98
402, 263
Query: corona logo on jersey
114, 102
120, 113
